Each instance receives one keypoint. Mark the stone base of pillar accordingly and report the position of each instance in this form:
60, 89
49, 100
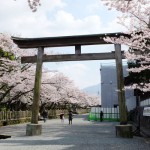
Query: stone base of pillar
33, 129
124, 131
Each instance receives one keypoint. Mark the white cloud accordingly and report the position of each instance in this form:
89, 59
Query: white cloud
17, 18
50, 5
74, 70
81, 74
113, 26
96, 6
66, 24
52, 19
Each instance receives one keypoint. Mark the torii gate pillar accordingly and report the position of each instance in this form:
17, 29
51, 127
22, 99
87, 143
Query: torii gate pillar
124, 129
120, 84
34, 128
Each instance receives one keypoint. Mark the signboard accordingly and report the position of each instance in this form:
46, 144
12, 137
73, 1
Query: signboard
146, 111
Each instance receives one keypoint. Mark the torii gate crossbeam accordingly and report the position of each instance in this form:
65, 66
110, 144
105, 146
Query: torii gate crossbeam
71, 57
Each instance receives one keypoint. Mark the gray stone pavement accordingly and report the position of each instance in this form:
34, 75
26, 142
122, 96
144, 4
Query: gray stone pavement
81, 135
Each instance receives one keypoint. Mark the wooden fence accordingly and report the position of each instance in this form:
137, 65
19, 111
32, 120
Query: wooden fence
14, 117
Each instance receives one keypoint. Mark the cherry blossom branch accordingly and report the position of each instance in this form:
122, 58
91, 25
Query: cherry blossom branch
33, 4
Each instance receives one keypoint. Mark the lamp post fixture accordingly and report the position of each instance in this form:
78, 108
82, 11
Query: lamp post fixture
111, 102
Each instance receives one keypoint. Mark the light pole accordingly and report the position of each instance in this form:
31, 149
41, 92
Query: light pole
101, 92
111, 94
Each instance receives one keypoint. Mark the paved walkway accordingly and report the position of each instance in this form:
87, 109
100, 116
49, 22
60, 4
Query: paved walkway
82, 135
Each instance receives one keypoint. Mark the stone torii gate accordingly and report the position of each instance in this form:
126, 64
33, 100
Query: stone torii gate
77, 41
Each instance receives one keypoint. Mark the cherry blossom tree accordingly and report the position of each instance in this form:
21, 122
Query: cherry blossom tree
59, 90
33, 4
135, 18
8, 67
17, 81
13, 75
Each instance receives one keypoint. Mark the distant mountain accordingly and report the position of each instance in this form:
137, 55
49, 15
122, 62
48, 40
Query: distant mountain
93, 90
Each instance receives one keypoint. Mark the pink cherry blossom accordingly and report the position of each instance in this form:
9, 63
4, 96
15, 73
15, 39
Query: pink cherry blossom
135, 18
17, 82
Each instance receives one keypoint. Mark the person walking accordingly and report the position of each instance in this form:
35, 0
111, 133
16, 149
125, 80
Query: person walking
101, 116
70, 117
45, 115
62, 117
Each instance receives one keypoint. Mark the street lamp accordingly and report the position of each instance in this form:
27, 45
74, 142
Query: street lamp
111, 102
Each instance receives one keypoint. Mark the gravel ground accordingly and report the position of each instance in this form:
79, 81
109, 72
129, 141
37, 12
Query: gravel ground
81, 135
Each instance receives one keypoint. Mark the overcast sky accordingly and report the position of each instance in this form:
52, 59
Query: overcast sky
63, 18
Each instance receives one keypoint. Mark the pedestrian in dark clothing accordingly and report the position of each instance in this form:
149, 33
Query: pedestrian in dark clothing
45, 115
62, 117
70, 115
101, 116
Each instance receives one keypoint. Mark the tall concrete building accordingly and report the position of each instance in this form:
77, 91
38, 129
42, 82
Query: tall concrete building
109, 95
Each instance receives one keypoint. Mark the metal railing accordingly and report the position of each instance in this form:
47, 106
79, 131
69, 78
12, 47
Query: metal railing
109, 114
